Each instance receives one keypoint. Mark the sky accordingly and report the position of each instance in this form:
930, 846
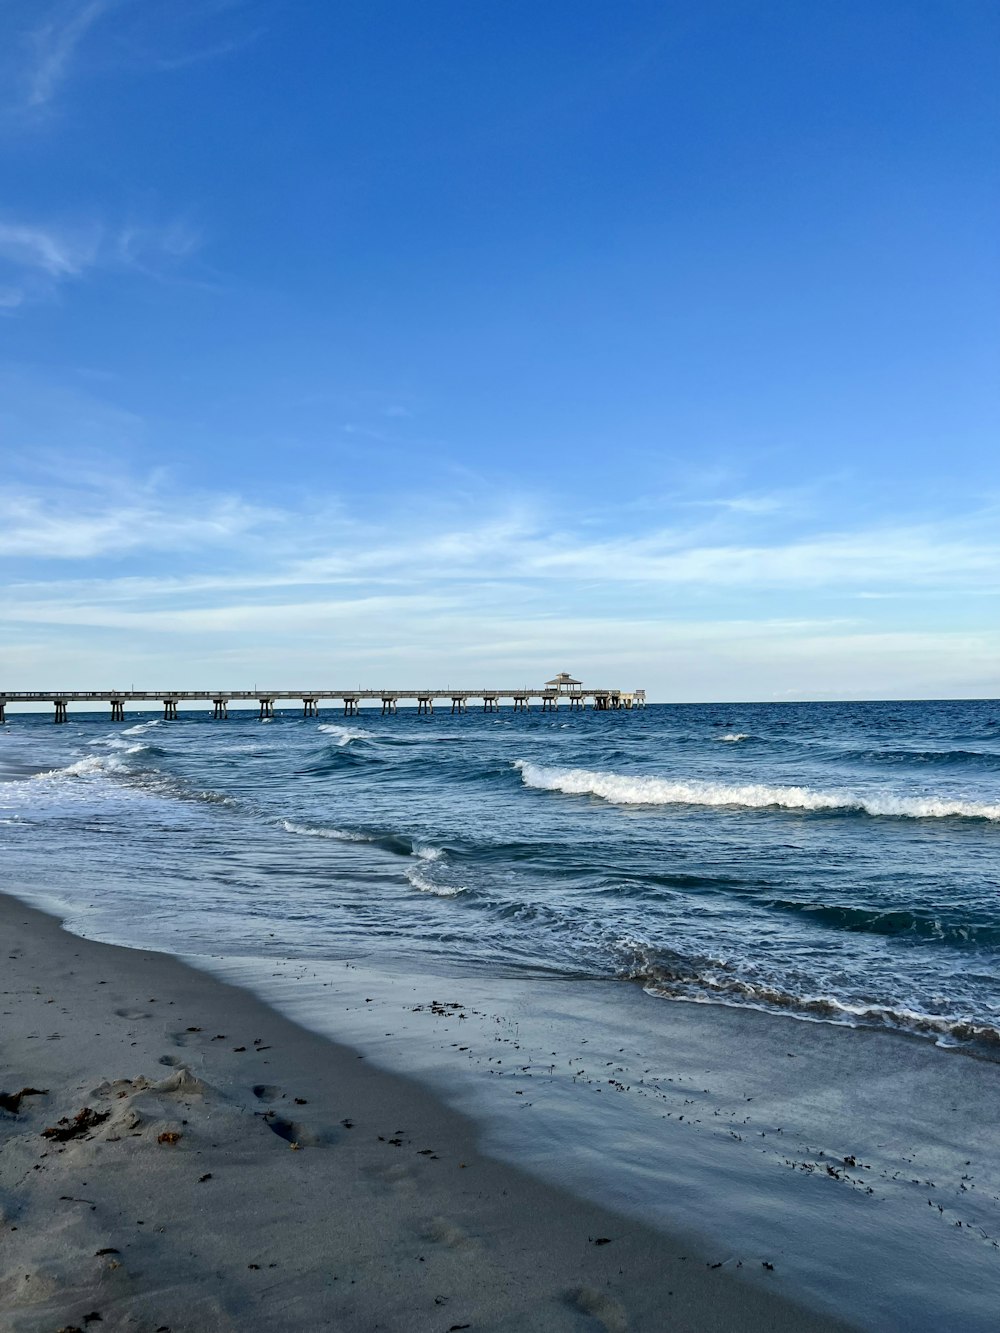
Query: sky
460, 343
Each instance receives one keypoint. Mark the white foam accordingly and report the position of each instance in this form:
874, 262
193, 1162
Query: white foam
89, 767
345, 734
734, 736
420, 881
310, 831
140, 727
117, 743
626, 789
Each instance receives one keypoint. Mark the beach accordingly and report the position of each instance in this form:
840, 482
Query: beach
239, 1172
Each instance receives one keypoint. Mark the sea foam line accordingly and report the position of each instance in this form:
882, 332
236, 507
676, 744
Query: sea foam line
626, 789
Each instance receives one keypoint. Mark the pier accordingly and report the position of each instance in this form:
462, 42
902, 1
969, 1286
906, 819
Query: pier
562, 691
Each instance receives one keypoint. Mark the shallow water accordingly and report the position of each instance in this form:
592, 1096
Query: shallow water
836, 861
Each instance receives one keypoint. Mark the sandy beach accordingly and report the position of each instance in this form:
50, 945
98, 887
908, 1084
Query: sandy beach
211, 1165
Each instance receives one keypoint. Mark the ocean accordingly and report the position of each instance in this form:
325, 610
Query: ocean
664, 906
838, 862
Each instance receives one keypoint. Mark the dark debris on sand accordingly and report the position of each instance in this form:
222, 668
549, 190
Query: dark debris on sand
82, 1123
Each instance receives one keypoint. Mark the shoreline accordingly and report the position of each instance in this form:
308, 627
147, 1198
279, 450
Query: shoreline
365, 1204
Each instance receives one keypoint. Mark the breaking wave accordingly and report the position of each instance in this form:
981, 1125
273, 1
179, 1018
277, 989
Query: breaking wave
346, 734
312, 831
733, 736
419, 877
141, 727
625, 789
91, 766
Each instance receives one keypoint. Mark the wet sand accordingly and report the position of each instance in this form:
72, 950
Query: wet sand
235, 1171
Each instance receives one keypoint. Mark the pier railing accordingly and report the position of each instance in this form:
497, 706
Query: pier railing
520, 699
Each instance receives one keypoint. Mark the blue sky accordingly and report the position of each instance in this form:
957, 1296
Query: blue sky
456, 342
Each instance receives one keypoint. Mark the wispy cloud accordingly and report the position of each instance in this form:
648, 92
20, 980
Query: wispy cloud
37, 258
80, 530
58, 254
218, 51
321, 543
486, 591
55, 45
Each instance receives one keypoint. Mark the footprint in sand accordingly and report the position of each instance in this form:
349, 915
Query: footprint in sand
267, 1092
132, 1013
292, 1132
172, 1060
192, 1037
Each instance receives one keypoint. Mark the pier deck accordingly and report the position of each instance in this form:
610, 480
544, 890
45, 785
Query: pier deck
548, 697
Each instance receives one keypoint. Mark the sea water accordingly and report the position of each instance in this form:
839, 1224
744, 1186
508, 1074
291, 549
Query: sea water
833, 863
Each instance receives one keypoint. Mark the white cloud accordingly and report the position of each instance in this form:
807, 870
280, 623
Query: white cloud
36, 258
58, 254
81, 531
55, 45
214, 576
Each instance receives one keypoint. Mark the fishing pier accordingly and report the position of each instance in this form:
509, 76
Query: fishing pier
562, 691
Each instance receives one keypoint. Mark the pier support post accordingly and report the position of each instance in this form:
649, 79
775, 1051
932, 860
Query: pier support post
117, 710
220, 708
266, 708
491, 703
310, 708
425, 704
3, 715
388, 704
61, 710
170, 710
351, 705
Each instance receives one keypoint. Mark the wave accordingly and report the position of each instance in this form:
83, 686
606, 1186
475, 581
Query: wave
150, 781
312, 831
903, 922
626, 789
91, 766
346, 734
418, 877
708, 981
421, 856
141, 727
945, 758
733, 736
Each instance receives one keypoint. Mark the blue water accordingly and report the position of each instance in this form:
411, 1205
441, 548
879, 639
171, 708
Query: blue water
838, 862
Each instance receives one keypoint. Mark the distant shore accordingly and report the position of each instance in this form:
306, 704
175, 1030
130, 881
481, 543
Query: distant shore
235, 1171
